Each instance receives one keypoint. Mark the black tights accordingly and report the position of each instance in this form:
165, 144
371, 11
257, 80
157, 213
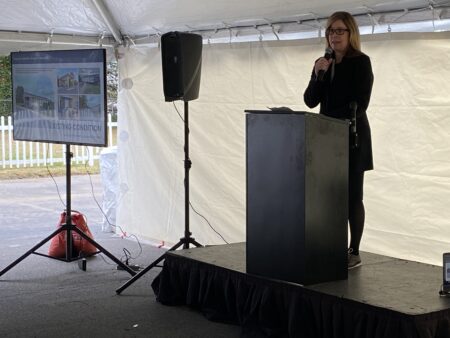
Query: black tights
356, 218
356, 212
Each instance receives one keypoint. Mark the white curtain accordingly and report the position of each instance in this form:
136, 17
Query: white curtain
406, 196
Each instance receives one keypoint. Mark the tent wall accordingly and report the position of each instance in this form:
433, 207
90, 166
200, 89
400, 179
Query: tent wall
405, 196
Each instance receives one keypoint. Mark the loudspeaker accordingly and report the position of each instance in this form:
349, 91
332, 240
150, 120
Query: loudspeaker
181, 65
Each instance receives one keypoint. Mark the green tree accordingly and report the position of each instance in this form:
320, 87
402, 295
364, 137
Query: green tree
5, 86
112, 80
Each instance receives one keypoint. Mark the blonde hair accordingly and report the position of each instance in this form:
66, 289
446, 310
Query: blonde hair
352, 26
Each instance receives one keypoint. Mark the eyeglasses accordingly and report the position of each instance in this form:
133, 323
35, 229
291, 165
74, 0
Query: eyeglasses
337, 31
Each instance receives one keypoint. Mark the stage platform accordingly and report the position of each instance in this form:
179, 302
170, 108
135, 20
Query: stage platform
385, 297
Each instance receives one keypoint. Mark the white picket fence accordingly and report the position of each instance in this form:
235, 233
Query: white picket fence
28, 154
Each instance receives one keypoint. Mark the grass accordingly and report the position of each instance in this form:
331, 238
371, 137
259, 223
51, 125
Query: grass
42, 171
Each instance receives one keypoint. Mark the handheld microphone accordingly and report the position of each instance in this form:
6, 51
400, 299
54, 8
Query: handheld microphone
354, 134
328, 55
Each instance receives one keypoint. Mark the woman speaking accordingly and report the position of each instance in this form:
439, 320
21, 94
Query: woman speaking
341, 82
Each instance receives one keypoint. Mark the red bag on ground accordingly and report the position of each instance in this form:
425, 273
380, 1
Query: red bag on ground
79, 244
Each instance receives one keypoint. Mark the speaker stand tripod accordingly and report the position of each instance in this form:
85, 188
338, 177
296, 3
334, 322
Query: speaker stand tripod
68, 227
187, 239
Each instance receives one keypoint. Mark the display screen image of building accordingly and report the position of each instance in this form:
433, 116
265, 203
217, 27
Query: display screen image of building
60, 96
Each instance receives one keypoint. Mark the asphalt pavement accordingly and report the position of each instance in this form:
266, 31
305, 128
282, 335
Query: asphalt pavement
30, 208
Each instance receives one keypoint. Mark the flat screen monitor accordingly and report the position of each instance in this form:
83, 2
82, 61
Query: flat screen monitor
59, 96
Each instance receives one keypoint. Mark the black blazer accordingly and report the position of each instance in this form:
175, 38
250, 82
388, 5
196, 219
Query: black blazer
352, 80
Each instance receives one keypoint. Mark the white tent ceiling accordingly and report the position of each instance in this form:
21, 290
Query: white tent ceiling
52, 24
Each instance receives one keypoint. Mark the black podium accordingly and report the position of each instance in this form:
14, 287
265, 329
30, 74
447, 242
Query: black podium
297, 196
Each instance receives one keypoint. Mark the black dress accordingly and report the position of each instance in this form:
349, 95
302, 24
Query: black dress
350, 80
